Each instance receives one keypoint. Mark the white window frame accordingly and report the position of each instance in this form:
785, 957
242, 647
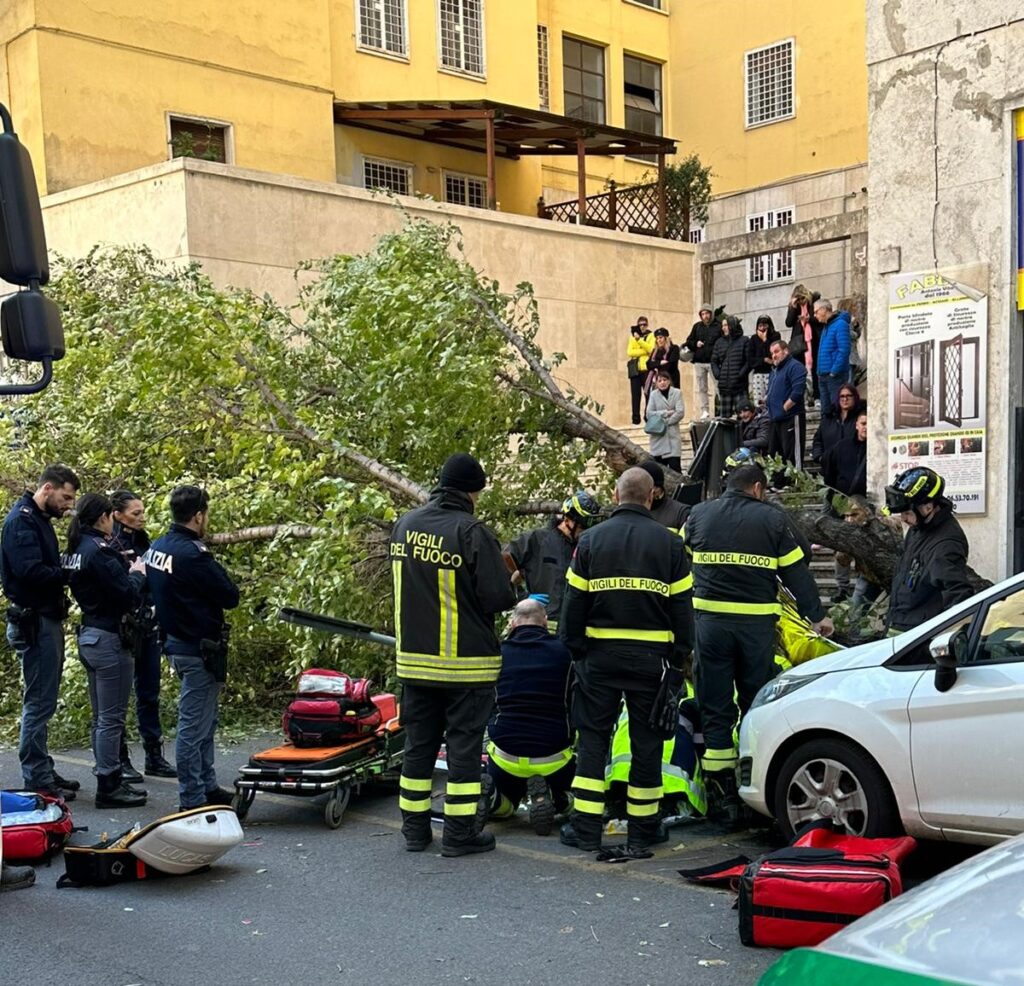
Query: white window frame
206, 121
388, 163
466, 179
403, 55
662, 7
771, 268
543, 67
696, 235
748, 124
457, 70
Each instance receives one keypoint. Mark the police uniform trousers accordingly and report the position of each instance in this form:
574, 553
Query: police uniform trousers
147, 692
109, 666
602, 679
457, 715
734, 658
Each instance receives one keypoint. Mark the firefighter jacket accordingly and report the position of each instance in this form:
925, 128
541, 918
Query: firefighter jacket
450, 580
739, 547
670, 513
543, 555
629, 592
931, 574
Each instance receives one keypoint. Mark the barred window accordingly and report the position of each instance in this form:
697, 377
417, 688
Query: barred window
390, 175
770, 267
696, 235
656, 4
462, 35
465, 190
769, 83
583, 75
382, 25
543, 75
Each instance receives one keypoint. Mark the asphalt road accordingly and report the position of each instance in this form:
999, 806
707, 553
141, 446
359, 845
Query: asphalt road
299, 903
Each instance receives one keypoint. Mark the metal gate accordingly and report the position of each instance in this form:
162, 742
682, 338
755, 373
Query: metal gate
951, 390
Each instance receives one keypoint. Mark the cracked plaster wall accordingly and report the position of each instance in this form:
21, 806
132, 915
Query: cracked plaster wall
948, 75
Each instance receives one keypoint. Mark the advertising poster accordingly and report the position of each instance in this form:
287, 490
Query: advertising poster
938, 347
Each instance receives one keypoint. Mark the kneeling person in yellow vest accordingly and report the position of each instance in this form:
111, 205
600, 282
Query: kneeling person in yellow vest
740, 546
449, 581
530, 740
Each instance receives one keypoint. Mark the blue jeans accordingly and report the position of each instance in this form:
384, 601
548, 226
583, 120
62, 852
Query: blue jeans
41, 666
110, 668
197, 722
828, 386
147, 692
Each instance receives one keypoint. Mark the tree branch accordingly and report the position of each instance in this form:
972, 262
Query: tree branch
266, 533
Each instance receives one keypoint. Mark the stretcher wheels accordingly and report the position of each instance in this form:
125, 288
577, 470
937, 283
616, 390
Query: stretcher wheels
334, 810
242, 801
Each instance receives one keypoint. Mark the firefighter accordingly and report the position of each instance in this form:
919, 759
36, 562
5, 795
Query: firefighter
932, 572
739, 545
665, 510
627, 615
449, 581
540, 557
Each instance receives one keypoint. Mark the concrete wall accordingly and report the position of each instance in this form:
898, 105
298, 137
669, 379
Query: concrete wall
251, 230
949, 75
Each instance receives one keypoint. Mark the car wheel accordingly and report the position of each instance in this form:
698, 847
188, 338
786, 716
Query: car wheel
835, 780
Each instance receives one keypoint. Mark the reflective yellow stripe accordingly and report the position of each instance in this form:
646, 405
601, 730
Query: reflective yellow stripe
396, 578
728, 606
677, 530
456, 662
683, 585
636, 810
791, 558
734, 558
611, 633
407, 804
469, 808
588, 807
629, 583
416, 783
528, 766
449, 608
455, 788
417, 673
643, 793
575, 581
717, 759
588, 784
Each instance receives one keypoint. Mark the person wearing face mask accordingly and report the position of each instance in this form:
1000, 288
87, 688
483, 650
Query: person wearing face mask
539, 558
665, 510
931, 575
33, 582
130, 538
106, 588
190, 591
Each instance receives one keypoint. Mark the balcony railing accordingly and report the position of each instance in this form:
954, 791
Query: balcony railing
641, 209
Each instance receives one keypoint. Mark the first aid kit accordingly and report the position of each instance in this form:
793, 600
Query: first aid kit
330, 708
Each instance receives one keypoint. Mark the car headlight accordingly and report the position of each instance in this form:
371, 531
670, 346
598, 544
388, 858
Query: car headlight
780, 687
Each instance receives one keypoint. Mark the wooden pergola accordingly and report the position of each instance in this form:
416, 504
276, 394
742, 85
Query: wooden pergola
511, 132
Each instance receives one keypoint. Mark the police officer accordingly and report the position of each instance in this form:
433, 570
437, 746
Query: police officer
530, 739
665, 510
932, 572
33, 581
740, 546
106, 588
131, 539
449, 582
191, 590
540, 557
627, 614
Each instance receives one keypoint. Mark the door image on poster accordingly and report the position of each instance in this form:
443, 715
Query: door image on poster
913, 392
958, 385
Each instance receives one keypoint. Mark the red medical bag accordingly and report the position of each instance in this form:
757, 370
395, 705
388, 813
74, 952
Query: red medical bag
36, 839
331, 709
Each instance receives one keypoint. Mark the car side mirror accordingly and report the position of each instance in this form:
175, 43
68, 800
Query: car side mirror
946, 650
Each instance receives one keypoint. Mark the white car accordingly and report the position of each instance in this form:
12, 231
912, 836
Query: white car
924, 731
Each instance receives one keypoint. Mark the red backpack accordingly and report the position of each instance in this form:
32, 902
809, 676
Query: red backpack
36, 834
331, 709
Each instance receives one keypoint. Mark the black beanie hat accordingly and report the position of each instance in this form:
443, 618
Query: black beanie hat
654, 470
462, 472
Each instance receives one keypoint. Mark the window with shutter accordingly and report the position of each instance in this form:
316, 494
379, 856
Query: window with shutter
207, 141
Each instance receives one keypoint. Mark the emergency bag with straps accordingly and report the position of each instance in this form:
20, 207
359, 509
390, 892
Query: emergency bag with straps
331, 708
35, 826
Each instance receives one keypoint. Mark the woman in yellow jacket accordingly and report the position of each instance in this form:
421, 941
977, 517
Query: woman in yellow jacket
639, 348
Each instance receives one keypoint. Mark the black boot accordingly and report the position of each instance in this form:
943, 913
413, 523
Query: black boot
724, 805
16, 877
128, 772
541, 805
481, 842
568, 836
218, 796
156, 765
112, 792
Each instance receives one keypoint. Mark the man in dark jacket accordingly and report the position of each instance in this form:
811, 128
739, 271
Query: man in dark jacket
755, 427
530, 740
701, 342
932, 572
730, 365
449, 582
844, 467
786, 405
627, 614
666, 510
